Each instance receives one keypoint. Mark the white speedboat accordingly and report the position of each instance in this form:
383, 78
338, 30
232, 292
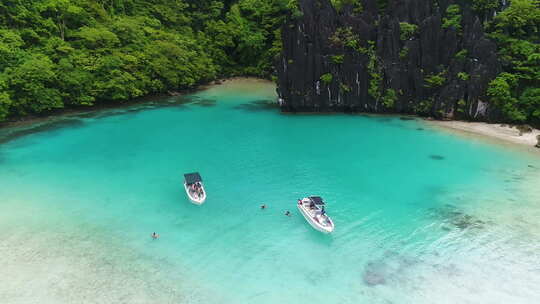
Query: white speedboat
194, 188
312, 208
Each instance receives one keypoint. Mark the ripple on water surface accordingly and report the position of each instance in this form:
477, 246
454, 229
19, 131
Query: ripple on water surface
418, 214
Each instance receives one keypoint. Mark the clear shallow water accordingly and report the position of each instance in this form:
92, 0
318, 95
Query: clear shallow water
421, 216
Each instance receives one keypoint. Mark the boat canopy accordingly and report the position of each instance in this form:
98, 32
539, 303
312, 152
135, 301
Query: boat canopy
192, 178
317, 200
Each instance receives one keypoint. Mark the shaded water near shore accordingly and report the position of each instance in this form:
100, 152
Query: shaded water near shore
421, 216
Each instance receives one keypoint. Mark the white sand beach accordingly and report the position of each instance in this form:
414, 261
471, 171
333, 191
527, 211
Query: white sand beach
502, 132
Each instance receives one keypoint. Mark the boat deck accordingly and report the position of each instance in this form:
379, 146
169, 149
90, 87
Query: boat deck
314, 214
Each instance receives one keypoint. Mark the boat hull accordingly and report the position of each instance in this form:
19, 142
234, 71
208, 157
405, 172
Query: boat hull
313, 223
195, 200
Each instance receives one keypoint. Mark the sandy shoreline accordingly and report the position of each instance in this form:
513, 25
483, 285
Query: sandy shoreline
506, 133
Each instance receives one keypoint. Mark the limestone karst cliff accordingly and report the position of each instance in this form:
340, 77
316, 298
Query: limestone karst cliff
415, 56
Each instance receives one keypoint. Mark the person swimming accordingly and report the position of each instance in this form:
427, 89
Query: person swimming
287, 213
155, 236
263, 206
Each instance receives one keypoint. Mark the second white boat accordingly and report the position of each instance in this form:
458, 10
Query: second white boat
194, 188
312, 208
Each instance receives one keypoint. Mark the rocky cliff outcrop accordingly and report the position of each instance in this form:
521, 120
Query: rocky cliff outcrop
415, 56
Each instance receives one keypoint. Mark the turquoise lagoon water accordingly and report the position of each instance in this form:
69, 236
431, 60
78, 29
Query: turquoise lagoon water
421, 215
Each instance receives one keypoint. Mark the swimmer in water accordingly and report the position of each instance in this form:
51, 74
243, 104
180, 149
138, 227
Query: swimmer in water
263, 206
155, 236
287, 213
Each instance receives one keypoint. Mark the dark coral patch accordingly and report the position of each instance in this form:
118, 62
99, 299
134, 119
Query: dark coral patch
391, 267
42, 127
257, 105
373, 275
384, 119
205, 102
453, 218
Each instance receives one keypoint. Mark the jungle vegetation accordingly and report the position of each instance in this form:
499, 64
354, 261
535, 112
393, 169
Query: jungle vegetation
77, 53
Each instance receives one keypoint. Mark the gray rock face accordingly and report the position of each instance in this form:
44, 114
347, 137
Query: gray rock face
321, 42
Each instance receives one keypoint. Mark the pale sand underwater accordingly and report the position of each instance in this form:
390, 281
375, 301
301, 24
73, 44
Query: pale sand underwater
62, 262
